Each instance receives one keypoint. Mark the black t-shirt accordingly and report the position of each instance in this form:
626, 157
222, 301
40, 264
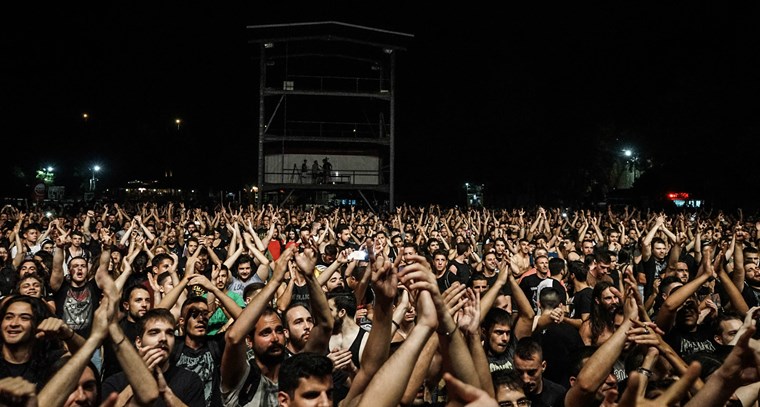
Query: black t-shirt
750, 295
446, 280
505, 289
186, 385
559, 342
687, 343
463, 273
582, 303
529, 285
551, 395
37, 370
76, 305
205, 362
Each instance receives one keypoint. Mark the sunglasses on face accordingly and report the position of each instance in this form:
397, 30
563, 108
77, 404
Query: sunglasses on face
196, 313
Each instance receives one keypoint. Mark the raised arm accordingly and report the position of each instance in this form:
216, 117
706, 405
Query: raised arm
524, 324
734, 294
599, 365
388, 385
646, 244
737, 277
490, 296
667, 313
142, 386
60, 386
452, 343
56, 274
319, 340
385, 282
213, 292
234, 357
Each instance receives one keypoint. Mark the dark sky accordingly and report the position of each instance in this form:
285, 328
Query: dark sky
499, 97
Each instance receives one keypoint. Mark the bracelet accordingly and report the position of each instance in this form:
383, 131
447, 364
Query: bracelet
395, 323
644, 371
448, 334
116, 344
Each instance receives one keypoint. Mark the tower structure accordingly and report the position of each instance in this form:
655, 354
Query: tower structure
326, 130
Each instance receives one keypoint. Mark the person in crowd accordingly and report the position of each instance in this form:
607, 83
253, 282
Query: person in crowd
620, 336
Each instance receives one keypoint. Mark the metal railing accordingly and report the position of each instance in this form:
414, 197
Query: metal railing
336, 177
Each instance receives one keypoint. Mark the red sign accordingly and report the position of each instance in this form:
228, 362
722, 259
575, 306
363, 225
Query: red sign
678, 196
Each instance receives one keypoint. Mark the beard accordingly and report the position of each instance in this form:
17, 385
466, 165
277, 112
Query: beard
337, 325
269, 357
298, 342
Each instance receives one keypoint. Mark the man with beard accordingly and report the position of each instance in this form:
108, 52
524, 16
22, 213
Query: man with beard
530, 365
172, 242
135, 303
601, 324
232, 303
679, 315
346, 334
592, 376
303, 319
298, 326
155, 343
253, 382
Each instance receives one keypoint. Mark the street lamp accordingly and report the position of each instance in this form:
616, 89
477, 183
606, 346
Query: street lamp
178, 121
94, 169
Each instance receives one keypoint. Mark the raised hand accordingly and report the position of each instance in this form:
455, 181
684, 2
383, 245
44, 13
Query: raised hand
307, 261
201, 280
281, 265
384, 279
463, 394
454, 298
631, 397
469, 317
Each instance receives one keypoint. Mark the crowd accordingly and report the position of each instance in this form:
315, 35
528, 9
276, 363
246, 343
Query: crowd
164, 304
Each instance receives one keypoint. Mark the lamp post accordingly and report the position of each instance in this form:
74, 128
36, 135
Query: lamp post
178, 122
94, 169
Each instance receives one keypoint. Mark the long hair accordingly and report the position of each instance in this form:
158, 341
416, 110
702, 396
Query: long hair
46, 350
600, 318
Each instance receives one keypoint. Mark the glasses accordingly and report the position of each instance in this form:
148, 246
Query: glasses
195, 313
519, 403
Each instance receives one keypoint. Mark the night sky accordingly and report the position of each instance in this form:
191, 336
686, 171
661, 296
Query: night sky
516, 99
